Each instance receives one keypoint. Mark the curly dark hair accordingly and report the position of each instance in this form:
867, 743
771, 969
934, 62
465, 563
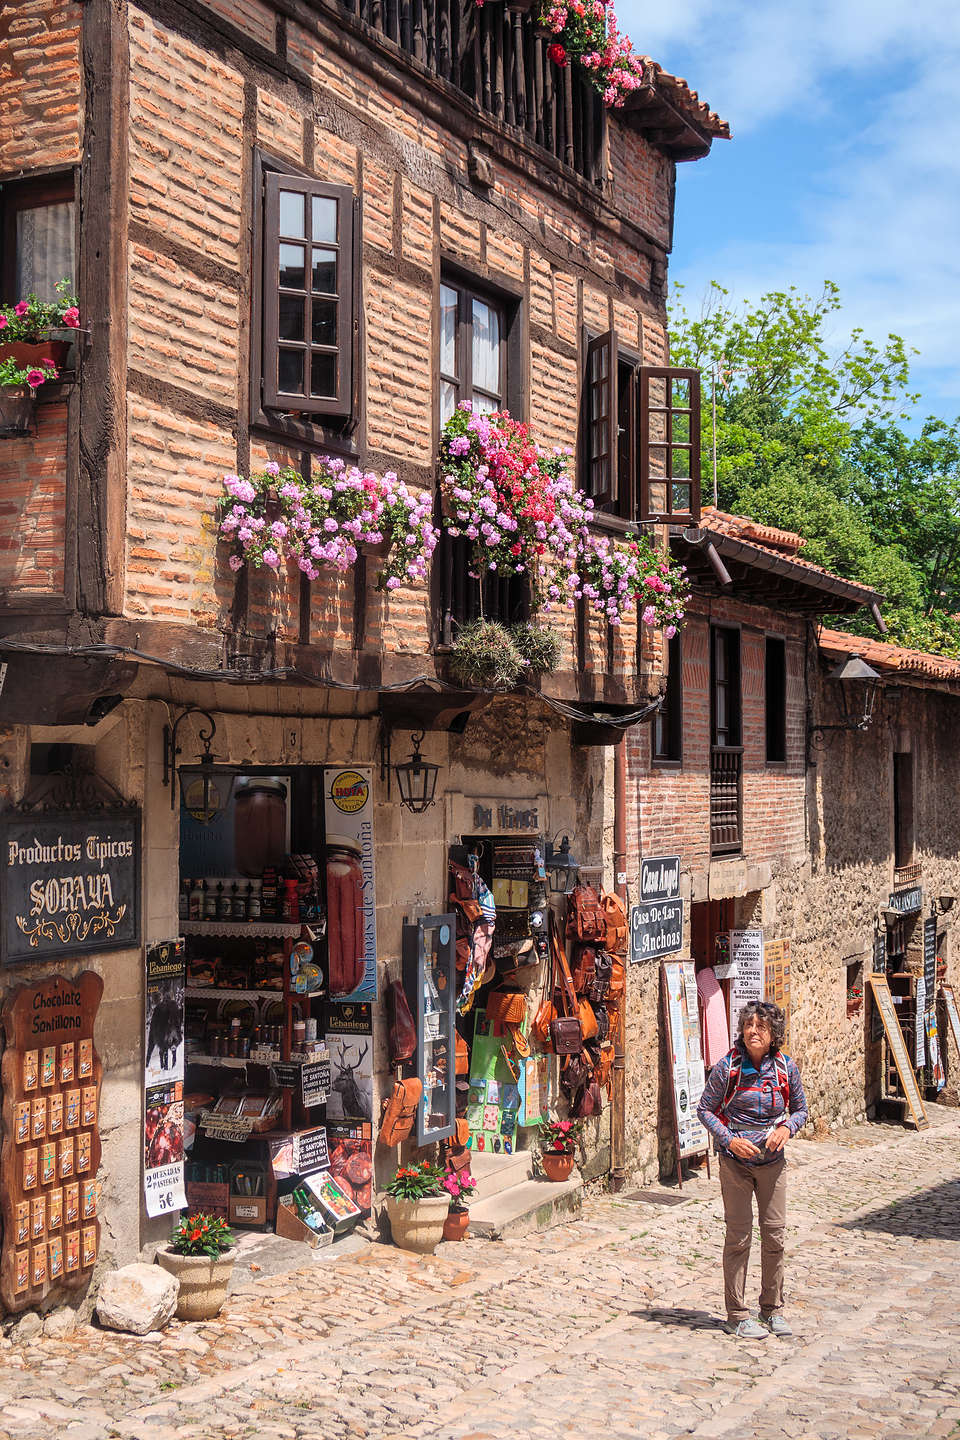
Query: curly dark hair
768, 1014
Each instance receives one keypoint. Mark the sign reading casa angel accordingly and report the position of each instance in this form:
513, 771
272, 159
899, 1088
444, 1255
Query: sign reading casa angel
69, 884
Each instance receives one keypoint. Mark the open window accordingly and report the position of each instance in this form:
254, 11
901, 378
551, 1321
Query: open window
642, 436
668, 721
307, 301
775, 698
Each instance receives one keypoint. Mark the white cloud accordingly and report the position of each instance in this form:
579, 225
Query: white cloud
879, 208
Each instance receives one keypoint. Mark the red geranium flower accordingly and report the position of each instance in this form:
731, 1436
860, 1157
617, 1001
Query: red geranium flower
557, 54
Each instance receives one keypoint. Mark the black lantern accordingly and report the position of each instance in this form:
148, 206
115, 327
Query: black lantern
561, 868
417, 778
859, 685
205, 788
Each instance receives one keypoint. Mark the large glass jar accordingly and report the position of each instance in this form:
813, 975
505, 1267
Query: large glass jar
260, 825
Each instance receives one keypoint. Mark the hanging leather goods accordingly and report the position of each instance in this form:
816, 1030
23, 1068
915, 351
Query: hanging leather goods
400, 1112
615, 920
402, 1033
585, 917
566, 1034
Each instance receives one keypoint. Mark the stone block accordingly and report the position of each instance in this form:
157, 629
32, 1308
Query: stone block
137, 1298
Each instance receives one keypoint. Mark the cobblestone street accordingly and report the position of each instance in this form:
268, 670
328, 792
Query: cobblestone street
607, 1325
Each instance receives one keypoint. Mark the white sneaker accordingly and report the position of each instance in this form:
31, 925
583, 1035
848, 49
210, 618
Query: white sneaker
776, 1324
746, 1330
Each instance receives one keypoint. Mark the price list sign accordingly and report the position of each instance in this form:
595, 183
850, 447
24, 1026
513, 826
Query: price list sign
51, 1077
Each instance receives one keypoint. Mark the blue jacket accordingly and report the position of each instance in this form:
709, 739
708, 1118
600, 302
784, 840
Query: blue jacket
755, 1106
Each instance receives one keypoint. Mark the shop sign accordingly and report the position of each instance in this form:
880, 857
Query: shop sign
352, 921
686, 1060
235, 1128
660, 878
310, 1152
315, 1083
776, 978
906, 902
69, 884
746, 956
655, 930
503, 816
163, 1067
930, 960
920, 1029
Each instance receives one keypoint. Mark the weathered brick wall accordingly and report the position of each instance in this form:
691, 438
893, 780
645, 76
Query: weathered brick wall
201, 100
40, 119
33, 508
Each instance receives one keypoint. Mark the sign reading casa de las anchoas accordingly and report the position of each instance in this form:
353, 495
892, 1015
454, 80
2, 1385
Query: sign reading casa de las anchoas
69, 884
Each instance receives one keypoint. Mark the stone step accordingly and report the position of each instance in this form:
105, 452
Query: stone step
526, 1208
496, 1173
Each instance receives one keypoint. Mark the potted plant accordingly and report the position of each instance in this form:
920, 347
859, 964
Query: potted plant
557, 1139
539, 646
459, 1185
417, 1206
484, 656
27, 329
18, 389
201, 1255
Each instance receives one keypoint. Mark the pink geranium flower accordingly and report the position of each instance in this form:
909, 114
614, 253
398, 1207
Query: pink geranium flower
71, 317
35, 378
21, 308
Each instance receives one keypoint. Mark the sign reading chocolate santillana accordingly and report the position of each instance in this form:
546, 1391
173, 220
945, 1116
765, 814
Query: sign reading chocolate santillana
69, 884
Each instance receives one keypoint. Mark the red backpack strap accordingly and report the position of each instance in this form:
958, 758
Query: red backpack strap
733, 1082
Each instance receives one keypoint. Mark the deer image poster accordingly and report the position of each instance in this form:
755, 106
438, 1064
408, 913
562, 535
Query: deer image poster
163, 1066
351, 899
351, 1077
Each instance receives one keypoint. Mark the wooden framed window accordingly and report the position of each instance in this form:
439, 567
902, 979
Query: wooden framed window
641, 428
668, 721
473, 350
669, 478
775, 698
309, 316
38, 236
725, 706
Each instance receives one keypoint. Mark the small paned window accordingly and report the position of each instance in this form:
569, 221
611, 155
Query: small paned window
309, 306
668, 721
472, 351
903, 831
39, 236
725, 705
775, 692
642, 437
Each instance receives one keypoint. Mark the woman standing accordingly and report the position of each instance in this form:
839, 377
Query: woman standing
752, 1104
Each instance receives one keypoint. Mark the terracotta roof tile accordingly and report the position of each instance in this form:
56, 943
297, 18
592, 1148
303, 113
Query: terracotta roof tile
781, 543
686, 100
894, 659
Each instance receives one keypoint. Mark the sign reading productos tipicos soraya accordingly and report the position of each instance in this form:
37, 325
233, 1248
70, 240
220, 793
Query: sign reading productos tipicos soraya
69, 884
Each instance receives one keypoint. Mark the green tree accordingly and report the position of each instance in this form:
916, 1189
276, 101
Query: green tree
807, 437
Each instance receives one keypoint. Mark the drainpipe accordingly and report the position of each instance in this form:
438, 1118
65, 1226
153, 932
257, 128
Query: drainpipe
618, 1104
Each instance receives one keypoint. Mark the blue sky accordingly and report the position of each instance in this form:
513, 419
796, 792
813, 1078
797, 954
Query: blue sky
844, 163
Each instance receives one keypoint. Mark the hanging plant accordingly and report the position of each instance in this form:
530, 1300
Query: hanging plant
485, 657
321, 523
29, 321
587, 32
616, 577
539, 646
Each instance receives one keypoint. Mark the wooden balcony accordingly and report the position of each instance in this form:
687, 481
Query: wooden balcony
905, 876
726, 800
497, 59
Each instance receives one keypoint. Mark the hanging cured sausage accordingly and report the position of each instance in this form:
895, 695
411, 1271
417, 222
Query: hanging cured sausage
346, 942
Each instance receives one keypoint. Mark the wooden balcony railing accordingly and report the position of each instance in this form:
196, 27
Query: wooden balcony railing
505, 598
726, 800
497, 59
906, 875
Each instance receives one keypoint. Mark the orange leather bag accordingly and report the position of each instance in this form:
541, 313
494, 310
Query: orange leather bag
507, 1007
615, 917
463, 1056
588, 1020
400, 1112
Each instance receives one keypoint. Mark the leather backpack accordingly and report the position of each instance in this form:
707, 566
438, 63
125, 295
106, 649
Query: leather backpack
583, 968
585, 917
615, 921
402, 1033
400, 1112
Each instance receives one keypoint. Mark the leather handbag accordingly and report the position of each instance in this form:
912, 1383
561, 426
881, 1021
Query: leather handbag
600, 984
566, 1035
615, 919
583, 968
462, 1056
507, 1007
590, 1101
603, 1068
461, 881
588, 1020
618, 978
461, 1134
400, 1112
585, 917
402, 1033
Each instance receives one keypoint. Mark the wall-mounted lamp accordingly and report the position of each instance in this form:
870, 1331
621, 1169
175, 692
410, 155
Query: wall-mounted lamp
416, 777
945, 903
561, 868
205, 788
859, 686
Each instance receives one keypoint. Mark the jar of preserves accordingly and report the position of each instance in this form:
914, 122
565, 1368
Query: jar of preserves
260, 825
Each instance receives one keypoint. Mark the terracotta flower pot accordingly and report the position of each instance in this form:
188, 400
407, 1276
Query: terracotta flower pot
16, 409
557, 1164
418, 1224
455, 1225
28, 354
203, 1281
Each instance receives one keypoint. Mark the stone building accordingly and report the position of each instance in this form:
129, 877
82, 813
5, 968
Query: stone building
486, 229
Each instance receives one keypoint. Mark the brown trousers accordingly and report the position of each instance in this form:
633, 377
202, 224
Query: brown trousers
738, 1185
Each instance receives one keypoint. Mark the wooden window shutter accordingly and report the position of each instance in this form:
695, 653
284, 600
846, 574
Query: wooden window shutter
600, 420
669, 488
309, 295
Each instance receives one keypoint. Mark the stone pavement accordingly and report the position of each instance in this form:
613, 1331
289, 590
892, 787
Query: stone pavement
605, 1326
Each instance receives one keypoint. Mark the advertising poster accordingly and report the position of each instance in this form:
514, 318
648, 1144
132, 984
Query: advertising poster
746, 954
351, 1162
351, 899
686, 1060
351, 1077
163, 1064
920, 1046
